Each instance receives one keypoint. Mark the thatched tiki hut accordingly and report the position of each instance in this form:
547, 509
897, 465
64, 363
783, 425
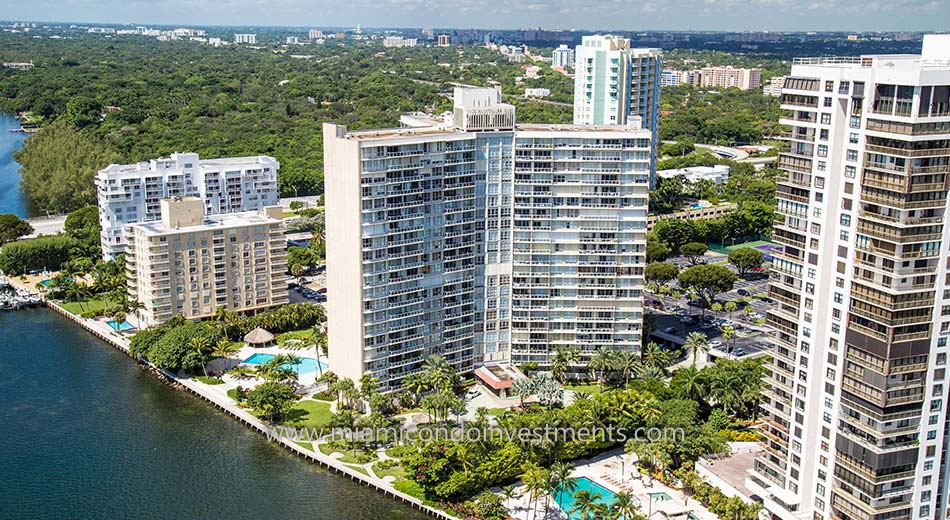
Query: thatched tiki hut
259, 338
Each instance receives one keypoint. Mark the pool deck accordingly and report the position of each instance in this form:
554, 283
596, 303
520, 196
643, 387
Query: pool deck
605, 470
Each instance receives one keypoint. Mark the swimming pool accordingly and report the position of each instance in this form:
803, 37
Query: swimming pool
306, 365
660, 495
120, 326
565, 498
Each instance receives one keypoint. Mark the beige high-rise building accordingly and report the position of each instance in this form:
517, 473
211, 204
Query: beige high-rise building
188, 264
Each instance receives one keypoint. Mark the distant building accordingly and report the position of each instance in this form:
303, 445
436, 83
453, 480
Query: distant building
245, 38
18, 65
718, 174
699, 210
774, 86
130, 193
293, 40
444, 40
186, 264
537, 92
215, 42
563, 56
728, 76
314, 34
399, 41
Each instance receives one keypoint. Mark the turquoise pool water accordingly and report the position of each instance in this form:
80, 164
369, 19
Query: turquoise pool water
120, 326
565, 498
660, 495
306, 365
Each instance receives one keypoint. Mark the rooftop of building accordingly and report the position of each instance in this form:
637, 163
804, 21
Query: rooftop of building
935, 53
145, 166
211, 222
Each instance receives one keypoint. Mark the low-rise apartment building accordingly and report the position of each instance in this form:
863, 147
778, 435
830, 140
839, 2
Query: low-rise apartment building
188, 264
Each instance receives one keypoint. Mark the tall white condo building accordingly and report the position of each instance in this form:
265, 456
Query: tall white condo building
132, 193
478, 239
613, 83
855, 405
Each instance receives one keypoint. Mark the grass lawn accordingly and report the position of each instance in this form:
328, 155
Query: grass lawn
309, 414
305, 445
359, 469
209, 380
94, 304
392, 451
495, 412
396, 471
590, 388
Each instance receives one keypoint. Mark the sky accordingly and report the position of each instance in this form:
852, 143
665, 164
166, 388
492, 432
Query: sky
628, 15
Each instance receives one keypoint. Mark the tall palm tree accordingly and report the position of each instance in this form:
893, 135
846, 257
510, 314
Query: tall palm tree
656, 357
626, 363
562, 479
729, 335
696, 343
691, 384
585, 504
624, 505
224, 348
201, 345
600, 363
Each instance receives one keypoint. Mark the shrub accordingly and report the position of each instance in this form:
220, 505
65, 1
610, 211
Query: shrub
46, 252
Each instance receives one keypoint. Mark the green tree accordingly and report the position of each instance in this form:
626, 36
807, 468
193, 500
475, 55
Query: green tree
696, 343
660, 273
12, 228
708, 280
674, 232
745, 259
272, 400
657, 251
58, 165
693, 251
83, 224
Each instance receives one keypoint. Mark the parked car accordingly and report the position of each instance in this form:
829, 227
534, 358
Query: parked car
686, 319
322, 290
743, 292
739, 351
471, 394
670, 330
707, 325
715, 343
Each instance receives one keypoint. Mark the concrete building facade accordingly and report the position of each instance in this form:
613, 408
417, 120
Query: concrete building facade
728, 76
131, 193
562, 57
855, 404
482, 240
188, 264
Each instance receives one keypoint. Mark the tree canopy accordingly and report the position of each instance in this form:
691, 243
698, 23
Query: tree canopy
13, 227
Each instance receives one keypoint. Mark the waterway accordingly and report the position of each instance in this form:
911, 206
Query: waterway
87, 433
12, 199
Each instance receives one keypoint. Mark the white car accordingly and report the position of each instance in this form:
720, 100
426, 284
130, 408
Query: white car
715, 344
472, 394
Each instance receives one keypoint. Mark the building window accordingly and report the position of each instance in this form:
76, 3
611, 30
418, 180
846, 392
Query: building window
826, 119
855, 122
853, 138
852, 155
849, 172
827, 102
823, 134
822, 150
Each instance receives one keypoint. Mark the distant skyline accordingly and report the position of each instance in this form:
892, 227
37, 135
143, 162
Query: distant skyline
714, 15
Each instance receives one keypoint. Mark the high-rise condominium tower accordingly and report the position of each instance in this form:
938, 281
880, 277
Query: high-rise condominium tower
131, 193
855, 405
613, 83
477, 239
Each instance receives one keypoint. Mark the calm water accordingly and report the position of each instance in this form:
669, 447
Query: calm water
86, 433
12, 200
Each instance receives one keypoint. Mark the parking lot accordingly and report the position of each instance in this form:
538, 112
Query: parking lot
677, 317
309, 288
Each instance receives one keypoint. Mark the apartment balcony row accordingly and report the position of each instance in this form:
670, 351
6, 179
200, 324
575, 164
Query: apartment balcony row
860, 507
895, 235
908, 152
905, 202
900, 219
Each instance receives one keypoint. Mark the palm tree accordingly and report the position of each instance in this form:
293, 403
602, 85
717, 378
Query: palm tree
562, 479
624, 505
626, 363
224, 348
201, 345
729, 335
585, 504
656, 357
600, 363
279, 368
696, 343
691, 384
